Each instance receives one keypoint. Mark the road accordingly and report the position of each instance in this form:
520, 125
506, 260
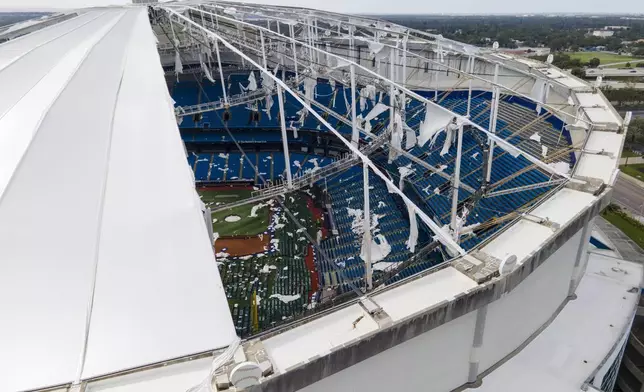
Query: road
636, 113
629, 195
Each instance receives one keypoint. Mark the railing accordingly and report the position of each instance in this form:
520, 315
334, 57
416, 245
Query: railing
233, 100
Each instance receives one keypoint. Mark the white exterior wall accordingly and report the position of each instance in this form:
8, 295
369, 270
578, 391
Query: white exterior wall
436, 361
512, 319
439, 360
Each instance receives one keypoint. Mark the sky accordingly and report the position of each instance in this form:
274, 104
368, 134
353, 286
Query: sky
397, 6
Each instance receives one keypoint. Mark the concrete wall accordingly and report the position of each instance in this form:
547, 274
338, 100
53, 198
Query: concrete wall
439, 360
434, 361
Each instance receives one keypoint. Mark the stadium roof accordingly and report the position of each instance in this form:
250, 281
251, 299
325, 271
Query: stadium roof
105, 264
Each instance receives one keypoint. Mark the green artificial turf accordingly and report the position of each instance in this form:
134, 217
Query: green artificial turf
247, 225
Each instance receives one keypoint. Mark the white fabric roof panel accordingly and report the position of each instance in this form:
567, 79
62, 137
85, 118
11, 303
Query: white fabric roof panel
76, 210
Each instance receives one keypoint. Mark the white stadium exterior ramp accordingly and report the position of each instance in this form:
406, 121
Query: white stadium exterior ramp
95, 276
108, 281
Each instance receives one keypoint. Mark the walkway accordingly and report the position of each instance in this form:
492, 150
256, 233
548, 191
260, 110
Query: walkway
627, 249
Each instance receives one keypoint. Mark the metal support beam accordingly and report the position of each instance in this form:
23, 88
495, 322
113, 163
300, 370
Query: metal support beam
470, 69
412, 94
494, 111
366, 241
457, 181
261, 38
411, 157
442, 237
280, 13
221, 73
525, 188
355, 136
287, 160
403, 80
292, 31
392, 91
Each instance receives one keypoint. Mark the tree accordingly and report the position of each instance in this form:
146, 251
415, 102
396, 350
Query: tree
628, 65
578, 72
640, 65
636, 129
594, 62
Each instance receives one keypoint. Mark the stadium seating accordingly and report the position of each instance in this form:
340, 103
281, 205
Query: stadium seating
518, 122
343, 264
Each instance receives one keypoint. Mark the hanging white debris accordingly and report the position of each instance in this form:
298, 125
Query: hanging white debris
510, 149
536, 137
367, 92
451, 130
309, 84
413, 224
377, 110
178, 65
302, 113
205, 69
396, 142
252, 83
346, 100
539, 92
410, 137
544, 151
404, 171
375, 47
380, 249
434, 122
413, 228
340, 62
561, 167
269, 105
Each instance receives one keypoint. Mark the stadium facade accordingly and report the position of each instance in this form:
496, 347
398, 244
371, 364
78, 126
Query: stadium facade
388, 209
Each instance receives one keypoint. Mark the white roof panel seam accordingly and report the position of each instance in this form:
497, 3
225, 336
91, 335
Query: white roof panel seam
13, 60
39, 99
99, 226
173, 293
66, 154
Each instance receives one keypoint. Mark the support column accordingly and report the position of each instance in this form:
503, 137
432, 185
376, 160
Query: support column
494, 109
392, 91
457, 181
317, 37
292, 31
366, 240
477, 344
581, 258
470, 70
351, 49
261, 38
221, 73
287, 160
403, 81
355, 135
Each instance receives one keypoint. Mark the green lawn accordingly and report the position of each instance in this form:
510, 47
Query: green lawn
604, 58
634, 171
632, 228
626, 153
246, 225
